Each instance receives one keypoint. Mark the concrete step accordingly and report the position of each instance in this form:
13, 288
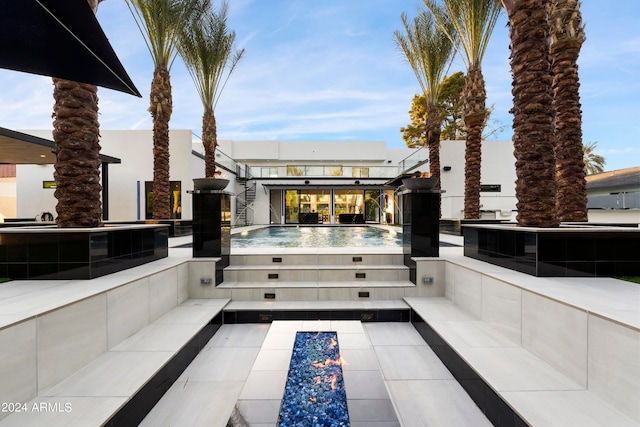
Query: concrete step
315, 273
334, 258
347, 290
395, 310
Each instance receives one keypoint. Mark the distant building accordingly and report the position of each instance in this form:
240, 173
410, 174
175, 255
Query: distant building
614, 196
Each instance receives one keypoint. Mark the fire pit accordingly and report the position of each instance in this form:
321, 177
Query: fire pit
314, 393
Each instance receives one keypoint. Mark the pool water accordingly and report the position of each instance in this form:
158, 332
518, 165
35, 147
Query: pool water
316, 237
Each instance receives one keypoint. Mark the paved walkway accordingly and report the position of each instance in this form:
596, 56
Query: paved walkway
390, 372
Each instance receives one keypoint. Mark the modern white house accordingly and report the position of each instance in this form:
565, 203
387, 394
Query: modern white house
346, 182
273, 182
300, 182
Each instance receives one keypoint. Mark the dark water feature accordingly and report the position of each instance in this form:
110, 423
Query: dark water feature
314, 394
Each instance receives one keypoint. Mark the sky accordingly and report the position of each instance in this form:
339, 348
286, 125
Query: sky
331, 71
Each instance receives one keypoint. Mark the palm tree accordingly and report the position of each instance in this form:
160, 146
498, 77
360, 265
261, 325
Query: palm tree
160, 22
566, 33
593, 163
533, 113
77, 148
429, 52
472, 22
207, 50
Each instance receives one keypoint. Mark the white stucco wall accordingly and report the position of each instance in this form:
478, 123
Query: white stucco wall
135, 149
615, 215
31, 198
497, 167
323, 151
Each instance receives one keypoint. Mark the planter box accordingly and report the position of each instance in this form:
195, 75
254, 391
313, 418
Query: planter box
79, 253
557, 252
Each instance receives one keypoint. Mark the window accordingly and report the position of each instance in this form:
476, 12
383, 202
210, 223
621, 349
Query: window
295, 170
360, 172
333, 171
313, 170
269, 172
175, 201
490, 188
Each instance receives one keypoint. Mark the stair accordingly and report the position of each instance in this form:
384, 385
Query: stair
244, 201
305, 286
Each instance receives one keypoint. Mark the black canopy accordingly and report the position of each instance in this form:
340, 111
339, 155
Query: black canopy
59, 38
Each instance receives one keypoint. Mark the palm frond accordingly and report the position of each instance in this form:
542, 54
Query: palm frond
427, 49
593, 163
206, 46
160, 22
472, 22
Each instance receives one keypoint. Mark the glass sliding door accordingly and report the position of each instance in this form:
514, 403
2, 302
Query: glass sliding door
349, 206
307, 206
372, 206
291, 206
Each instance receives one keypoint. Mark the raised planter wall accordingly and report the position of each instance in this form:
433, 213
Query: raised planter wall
420, 226
557, 252
212, 227
79, 253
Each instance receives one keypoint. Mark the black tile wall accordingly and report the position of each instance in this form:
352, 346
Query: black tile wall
584, 253
79, 254
420, 227
211, 228
399, 315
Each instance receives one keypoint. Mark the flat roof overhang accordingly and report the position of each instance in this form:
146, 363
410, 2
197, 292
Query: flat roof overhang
17, 148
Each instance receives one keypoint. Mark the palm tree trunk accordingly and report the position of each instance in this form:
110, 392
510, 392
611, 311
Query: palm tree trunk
434, 127
161, 109
533, 113
76, 133
474, 112
77, 167
566, 34
210, 142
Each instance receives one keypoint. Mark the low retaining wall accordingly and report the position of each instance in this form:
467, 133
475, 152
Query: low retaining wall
79, 253
557, 252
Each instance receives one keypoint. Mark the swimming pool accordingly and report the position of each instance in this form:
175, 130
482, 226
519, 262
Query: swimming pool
316, 237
